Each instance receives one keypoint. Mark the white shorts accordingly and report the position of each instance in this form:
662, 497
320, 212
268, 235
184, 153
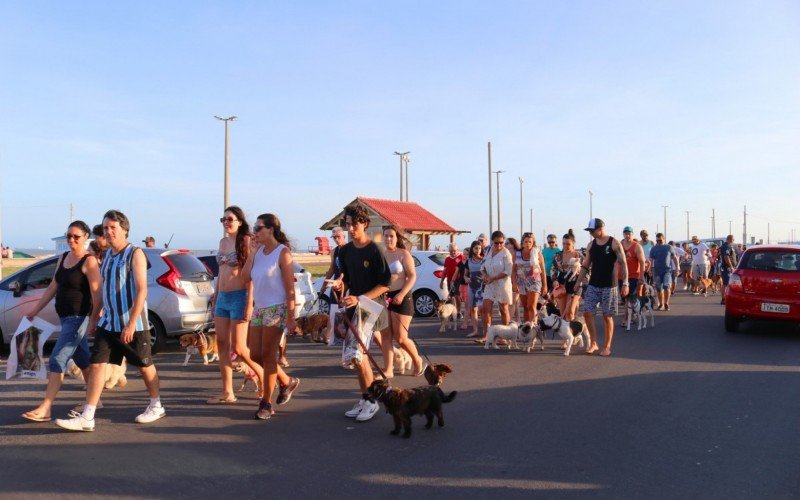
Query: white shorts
700, 269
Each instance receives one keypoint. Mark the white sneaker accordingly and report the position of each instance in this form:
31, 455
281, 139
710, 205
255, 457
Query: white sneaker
356, 411
369, 411
151, 414
77, 423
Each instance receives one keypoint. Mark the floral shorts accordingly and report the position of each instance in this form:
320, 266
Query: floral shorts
272, 316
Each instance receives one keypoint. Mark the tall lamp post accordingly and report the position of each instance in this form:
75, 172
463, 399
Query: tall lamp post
590, 204
491, 217
499, 222
227, 157
687, 224
665, 221
521, 230
403, 162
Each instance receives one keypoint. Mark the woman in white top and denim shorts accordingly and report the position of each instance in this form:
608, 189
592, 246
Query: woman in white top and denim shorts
496, 270
270, 270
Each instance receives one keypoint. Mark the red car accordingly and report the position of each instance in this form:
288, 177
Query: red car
765, 286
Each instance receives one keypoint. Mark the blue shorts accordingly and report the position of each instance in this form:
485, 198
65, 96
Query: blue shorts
71, 344
663, 280
605, 297
231, 304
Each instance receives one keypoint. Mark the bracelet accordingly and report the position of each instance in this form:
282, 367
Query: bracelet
625, 283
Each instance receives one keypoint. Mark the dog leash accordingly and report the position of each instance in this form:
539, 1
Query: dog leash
350, 327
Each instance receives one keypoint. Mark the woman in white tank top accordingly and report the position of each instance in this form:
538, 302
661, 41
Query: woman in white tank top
269, 269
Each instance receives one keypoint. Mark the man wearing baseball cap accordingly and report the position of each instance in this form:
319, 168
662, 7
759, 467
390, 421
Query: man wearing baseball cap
149, 242
634, 260
602, 253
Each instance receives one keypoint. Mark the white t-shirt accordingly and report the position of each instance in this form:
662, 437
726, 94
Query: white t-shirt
699, 253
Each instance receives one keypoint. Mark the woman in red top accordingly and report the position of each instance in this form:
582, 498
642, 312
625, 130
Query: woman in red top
450, 267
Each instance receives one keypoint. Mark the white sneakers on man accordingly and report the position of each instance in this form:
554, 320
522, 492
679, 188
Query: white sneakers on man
363, 410
151, 414
76, 423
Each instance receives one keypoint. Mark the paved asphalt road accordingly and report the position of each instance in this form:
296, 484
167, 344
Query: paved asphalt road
680, 411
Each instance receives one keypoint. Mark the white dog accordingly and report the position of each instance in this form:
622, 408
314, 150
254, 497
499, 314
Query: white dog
640, 307
527, 335
114, 374
567, 330
448, 313
402, 360
508, 332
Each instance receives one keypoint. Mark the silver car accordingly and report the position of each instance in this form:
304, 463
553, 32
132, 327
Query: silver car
179, 291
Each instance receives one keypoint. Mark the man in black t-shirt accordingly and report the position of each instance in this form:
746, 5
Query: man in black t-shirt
364, 272
727, 263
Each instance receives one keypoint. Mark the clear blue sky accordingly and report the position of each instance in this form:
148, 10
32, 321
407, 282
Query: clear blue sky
695, 105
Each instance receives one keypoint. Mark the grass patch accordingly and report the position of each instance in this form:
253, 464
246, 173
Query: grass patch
9, 270
316, 270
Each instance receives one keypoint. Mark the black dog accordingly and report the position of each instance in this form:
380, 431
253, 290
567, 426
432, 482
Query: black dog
402, 404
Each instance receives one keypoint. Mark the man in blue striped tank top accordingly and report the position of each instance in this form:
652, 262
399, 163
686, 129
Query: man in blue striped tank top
119, 323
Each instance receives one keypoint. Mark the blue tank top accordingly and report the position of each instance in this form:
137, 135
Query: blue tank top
119, 291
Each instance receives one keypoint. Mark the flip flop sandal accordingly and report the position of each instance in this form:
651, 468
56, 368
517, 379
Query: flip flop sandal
422, 370
28, 416
479, 341
222, 401
591, 353
605, 353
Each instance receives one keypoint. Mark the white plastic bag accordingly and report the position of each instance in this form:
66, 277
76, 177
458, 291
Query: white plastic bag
26, 358
370, 316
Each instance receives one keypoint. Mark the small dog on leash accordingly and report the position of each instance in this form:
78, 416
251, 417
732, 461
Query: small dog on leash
114, 375
313, 326
507, 332
435, 373
402, 404
705, 285
640, 307
402, 360
202, 344
567, 330
448, 313
527, 335
247, 374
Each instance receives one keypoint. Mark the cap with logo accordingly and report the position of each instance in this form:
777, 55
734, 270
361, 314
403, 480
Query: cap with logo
627, 229
594, 224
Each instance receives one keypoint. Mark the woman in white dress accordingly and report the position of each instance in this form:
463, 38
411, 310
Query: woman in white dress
496, 271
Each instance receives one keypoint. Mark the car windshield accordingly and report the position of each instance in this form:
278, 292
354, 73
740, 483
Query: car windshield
438, 258
772, 260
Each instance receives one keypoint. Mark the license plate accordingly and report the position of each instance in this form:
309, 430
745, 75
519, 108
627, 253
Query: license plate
775, 308
204, 288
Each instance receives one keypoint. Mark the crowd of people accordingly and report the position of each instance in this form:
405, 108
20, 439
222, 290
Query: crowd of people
100, 289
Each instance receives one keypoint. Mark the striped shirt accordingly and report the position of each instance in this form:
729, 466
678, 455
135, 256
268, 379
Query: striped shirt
119, 291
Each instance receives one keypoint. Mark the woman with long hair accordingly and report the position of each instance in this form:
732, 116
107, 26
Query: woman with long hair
513, 246
474, 284
233, 301
401, 305
566, 266
75, 286
271, 271
528, 270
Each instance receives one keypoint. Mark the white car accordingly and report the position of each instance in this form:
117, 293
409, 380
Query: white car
427, 290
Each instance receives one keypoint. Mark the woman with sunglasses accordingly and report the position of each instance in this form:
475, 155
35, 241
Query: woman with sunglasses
472, 275
529, 273
233, 304
496, 271
566, 266
270, 268
75, 285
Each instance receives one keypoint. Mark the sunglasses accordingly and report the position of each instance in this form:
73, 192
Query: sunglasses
227, 219
499, 242
551, 241
75, 237
257, 228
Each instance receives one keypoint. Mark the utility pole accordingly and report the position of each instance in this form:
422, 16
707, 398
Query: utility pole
71, 213
499, 222
521, 230
491, 217
227, 157
403, 160
590, 204
665, 221
713, 224
687, 225
744, 227
531, 221
730, 227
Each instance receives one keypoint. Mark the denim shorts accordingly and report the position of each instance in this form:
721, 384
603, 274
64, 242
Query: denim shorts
663, 280
71, 344
606, 297
231, 304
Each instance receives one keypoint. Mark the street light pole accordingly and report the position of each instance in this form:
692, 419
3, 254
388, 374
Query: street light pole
531, 221
521, 230
687, 224
227, 157
403, 158
491, 217
665, 221
590, 204
499, 221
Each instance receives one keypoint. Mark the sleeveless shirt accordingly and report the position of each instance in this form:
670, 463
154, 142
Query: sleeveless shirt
73, 297
119, 291
603, 259
268, 289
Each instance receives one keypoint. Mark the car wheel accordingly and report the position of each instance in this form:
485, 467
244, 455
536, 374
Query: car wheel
158, 334
425, 303
731, 324
324, 304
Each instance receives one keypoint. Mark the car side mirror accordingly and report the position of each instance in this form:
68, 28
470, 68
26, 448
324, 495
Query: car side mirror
16, 287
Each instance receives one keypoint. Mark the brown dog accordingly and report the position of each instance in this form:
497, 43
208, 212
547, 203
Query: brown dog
436, 373
314, 326
402, 404
704, 285
247, 374
202, 344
